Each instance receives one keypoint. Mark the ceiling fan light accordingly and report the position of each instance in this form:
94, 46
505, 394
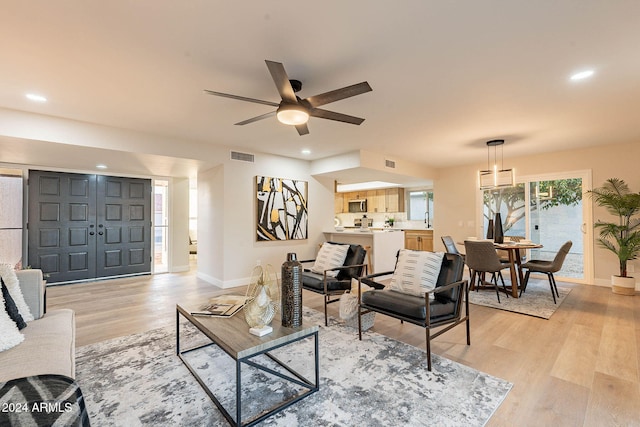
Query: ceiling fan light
292, 115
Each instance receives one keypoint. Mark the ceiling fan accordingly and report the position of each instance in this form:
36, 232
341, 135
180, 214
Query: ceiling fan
293, 110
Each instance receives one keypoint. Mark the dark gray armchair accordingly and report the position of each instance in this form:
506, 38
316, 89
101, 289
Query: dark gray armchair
444, 310
332, 287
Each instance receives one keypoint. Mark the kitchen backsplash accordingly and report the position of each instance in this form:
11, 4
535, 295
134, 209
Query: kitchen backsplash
400, 220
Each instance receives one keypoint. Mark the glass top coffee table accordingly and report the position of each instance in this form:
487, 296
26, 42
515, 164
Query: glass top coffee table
232, 336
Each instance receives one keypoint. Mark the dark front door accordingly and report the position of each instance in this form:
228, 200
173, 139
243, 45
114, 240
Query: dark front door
87, 226
124, 226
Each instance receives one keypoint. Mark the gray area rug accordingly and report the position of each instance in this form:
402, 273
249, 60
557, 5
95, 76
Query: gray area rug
138, 380
536, 301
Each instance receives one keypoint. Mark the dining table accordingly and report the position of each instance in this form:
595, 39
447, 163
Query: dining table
515, 261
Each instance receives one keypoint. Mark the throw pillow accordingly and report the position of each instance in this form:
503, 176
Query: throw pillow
10, 307
8, 274
10, 336
416, 272
330, 256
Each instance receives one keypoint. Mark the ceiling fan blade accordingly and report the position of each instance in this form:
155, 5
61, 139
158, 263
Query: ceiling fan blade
280, 78
302, 129
338, 94
255, 119
332, 115
242, 98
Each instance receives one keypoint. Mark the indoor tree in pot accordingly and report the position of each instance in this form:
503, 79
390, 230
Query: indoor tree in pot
621, 237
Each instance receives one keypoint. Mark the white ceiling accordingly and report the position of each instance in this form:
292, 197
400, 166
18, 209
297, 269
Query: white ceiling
447, 75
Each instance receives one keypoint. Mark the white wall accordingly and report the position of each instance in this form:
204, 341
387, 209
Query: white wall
227, 246
455, 192
211, 223
179, 225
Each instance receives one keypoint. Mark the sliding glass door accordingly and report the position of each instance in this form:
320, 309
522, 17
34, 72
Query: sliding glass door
548, 210
555, 216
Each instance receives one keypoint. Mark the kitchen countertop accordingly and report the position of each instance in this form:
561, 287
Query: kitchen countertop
388, 229
359, 231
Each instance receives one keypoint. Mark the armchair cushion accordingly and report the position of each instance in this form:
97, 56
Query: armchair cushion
398, 303
330, 256
315, 281
416, 272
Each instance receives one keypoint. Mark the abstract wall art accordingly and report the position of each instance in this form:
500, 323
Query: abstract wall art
281, 209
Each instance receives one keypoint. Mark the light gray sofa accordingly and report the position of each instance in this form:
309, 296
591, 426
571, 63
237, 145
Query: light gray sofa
49, 344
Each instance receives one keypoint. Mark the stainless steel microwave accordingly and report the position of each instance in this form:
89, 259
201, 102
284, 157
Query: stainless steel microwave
358, 206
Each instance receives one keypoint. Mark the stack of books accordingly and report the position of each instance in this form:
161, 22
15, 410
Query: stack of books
221, 306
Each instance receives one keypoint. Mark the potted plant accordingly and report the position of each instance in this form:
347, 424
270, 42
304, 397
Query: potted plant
621, 237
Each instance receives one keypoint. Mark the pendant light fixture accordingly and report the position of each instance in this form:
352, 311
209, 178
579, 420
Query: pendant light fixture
494, 176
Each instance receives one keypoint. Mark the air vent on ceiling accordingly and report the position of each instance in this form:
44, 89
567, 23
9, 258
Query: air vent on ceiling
244, 157
390, 164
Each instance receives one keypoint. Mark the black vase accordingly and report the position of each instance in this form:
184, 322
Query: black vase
291, 292
490, 230
498, 234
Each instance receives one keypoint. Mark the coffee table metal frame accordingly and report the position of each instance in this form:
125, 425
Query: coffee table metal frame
223, 333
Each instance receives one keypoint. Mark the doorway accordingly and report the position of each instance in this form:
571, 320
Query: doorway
84, 226
549, 210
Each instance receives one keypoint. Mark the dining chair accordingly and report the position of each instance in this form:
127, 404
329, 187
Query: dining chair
481, 258
450, 246
548, 268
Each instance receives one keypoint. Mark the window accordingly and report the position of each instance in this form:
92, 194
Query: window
161, 226
11, 216
418, 208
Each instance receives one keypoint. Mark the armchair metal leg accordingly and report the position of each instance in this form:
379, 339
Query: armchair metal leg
326, 317
468, 330
466, 306
428, 349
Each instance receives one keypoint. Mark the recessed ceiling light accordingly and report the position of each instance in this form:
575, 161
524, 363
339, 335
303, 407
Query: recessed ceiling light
582, 75
305, 151
36, 98
101, 166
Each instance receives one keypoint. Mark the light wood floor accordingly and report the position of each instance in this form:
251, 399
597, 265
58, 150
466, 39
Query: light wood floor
580, 368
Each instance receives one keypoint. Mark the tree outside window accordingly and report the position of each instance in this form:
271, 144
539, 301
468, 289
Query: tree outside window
510, 201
